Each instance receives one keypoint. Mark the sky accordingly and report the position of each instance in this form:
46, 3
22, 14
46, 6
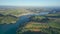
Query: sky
30, 2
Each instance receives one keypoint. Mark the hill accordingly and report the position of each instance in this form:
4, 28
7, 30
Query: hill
42, 24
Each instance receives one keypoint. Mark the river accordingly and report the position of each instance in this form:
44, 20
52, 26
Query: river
12, 28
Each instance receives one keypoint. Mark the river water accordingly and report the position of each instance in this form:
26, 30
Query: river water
12, 28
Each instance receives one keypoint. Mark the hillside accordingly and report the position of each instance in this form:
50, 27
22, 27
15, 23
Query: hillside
42, 24
12, 15
16, 12
7, 19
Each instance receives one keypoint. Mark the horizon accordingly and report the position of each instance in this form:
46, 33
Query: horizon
29, 3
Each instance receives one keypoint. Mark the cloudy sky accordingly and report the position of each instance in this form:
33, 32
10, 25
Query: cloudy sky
30, 2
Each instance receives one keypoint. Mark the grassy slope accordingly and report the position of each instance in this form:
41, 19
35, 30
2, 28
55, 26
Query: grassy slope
13, 12
51, 27
7, 19
16, 12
